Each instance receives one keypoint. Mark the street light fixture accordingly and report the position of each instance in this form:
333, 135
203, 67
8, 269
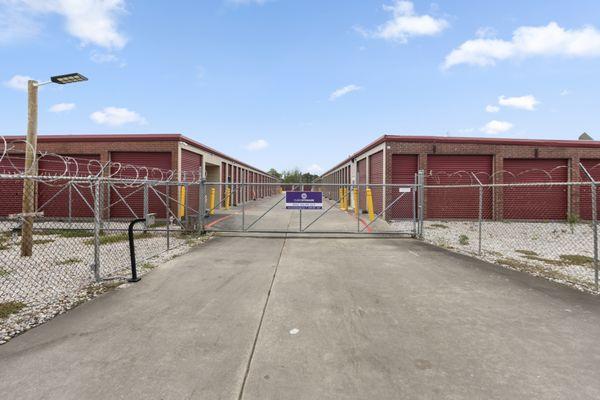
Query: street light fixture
68, 78
30, 151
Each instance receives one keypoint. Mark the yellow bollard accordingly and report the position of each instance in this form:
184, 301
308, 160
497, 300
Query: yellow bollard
341, 197
227, 197
370, 204
346, 199
356, 201
181, 202
211, 203
344, 202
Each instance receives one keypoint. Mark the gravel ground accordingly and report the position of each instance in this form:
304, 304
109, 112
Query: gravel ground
59, 275
561, 252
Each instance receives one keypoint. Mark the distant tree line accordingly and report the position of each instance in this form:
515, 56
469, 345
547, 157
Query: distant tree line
293, 175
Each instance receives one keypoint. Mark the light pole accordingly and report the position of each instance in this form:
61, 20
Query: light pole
28, 209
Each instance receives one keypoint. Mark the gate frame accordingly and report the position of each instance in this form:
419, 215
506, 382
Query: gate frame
415, 189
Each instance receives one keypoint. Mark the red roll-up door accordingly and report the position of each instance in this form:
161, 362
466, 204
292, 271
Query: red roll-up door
191, 164
458, 170
404, 168
11, 190
376, 177
535, 202
53, 196
135, 199
361, 167
585, 202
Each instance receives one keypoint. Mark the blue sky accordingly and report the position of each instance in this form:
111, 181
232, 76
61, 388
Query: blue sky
284, 83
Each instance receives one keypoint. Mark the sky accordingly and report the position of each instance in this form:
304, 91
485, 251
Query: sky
304, 83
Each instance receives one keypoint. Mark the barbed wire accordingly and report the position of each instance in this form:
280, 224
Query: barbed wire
60, 167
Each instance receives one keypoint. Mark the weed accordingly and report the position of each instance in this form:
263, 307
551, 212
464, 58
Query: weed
119, 237
576, 259
69, 261
545, 260
10, 307
439, 226
572, 219
148, 265
511, 262
463, 240
67, 233
4, 242
527, 252
3, 272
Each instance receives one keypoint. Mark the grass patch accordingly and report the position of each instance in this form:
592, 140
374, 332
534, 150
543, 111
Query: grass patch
119, 237
527, 252
463, 240
10, 307
148, 265
4, 241
564, 259
67, 233
545, 260
439, 226
3, 272
511, 262
69, 261
576, 259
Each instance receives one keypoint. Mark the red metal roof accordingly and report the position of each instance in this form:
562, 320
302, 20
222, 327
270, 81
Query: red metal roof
132, 137
470, 140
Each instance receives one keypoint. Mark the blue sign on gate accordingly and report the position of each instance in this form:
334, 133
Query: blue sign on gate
304, 200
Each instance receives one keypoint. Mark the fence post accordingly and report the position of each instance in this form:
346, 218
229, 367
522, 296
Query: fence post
70, 199
202, 205
168, 214
595, 229
413, 205
243, 205
421, 186
480, 215
97, 217
480, 221
145, 204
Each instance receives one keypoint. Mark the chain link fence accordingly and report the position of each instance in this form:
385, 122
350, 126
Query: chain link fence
59, 236
543, 228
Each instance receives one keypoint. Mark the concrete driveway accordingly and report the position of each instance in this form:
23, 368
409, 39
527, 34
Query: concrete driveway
297, 318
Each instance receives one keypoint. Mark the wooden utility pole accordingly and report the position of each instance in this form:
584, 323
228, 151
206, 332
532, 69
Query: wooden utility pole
29, 184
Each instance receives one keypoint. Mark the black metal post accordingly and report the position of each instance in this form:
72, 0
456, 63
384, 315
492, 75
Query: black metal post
134, 277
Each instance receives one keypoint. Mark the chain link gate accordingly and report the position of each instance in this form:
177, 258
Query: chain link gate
349, 209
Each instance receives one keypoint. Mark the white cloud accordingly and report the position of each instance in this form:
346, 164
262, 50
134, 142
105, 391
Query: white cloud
495, 126
14, 24
486, 32
91, 21
343, 91
528, 102
114, 116
314, 169
60, 107
528, 41
565, 92
256, 145
405, 23
492, 109
18, 82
